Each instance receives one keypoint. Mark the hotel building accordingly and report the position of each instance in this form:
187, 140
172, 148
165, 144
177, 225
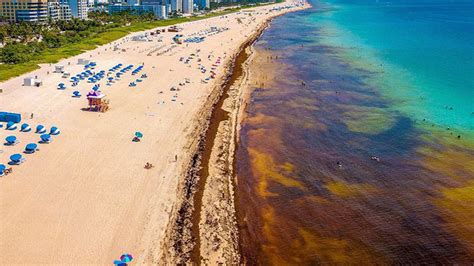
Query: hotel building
24, 10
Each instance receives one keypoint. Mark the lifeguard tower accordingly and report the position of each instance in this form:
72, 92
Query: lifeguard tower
98, 102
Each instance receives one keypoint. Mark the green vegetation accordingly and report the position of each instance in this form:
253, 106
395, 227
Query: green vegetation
27, 45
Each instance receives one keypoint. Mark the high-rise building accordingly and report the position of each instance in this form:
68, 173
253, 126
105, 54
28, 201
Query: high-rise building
177, 5
24, 10
79, 8
202, 4
188, 6
65, 12
54, 10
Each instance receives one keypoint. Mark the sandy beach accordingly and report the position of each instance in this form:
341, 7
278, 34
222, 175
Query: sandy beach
86, 198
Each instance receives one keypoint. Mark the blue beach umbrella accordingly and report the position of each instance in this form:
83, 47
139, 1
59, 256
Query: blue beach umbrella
40, 129
30, 148
25, 128
15, 157
54, 131
2, 169
45, 137
10, 139
76, 94
11, 126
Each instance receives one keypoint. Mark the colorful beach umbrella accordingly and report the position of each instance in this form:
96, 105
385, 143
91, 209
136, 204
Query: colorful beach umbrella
126, 258
139, 134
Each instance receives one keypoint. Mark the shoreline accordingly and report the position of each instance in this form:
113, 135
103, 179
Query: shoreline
227, 100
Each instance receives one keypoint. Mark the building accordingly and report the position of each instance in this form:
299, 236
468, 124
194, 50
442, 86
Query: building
177, 5
24, 10
202, 4
188, 6
79, 8
53, 10
65, 12
159, 11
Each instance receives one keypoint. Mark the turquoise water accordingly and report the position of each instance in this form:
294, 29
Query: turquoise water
424, 50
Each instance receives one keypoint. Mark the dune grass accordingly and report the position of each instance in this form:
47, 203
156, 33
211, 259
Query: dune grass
53, 55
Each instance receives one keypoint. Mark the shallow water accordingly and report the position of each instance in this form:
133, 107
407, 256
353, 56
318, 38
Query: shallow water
364, 95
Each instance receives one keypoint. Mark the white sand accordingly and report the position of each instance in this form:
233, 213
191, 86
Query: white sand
86, 197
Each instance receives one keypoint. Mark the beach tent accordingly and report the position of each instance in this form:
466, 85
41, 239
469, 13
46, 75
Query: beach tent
17, 159
29, 81
2, 169
31, 148
25, 128
59, 69
82, 61
40, 129
45, 138
11, 126
7, 117
54, 131
120, 263
11, 140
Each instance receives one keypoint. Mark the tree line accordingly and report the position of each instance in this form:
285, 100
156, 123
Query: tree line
23, 41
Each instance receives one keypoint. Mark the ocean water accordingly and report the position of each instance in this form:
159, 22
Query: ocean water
358, 146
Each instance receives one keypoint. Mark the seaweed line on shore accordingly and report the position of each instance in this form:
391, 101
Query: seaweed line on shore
182, 234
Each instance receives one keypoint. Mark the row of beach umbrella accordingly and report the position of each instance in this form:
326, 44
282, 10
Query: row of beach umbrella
12, 140
91, 65
17, 158
40, 129
115, 68
136, 70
